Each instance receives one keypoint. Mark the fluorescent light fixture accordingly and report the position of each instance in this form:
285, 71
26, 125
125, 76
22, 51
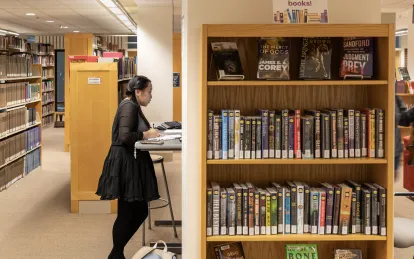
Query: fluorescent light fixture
63, 27
50, 21
9, 32
401, 32
118, 10
30, 14
75, 31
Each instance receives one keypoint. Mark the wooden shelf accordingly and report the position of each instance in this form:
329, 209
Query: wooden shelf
298, 161
403, 95
298, 83
2, 80
19, 156
20, 130
295, 237
19, 105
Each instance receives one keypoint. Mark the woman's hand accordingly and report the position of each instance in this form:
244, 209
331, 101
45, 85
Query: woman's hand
151, 133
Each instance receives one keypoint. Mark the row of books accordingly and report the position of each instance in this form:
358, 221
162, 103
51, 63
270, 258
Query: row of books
46, 109
18, 93
44, 60
293, 251
17, 65
47, 72
47, 85
126, 67
18, 145
17, 43
11, 173
16, 120
299, 16
48, 97
300, 134
295, 207
356, 59
32, 161
47, 120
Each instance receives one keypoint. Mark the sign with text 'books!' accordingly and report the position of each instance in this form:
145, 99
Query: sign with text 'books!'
300, 11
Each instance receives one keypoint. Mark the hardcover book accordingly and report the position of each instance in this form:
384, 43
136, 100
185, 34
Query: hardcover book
227, 61
273, 58
348, 254
301, 251
357, 57
229, 251
315, 58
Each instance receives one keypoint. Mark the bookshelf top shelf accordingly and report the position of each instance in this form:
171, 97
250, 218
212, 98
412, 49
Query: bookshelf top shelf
298, 82
297, 161
2, 80
294, 237
406, 94
297, 30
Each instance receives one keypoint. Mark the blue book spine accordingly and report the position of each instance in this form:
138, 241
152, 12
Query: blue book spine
224, 115
287, 211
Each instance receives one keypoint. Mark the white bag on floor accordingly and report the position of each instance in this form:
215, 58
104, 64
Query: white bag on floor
153, 253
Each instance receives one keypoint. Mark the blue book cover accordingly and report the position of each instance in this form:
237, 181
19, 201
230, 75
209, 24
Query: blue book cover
224, 135
287, 211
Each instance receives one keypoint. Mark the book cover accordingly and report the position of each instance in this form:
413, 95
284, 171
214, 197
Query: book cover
227, 60
357, 57
273, 58
301, 251
230, 251
347, 254
315, 58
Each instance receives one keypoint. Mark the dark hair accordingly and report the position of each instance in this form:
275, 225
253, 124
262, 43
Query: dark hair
140, 83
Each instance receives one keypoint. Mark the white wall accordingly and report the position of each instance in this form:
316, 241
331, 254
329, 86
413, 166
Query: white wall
154, 44
196, 13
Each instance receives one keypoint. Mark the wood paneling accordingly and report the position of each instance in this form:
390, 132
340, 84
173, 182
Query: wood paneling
75, 44
177, 91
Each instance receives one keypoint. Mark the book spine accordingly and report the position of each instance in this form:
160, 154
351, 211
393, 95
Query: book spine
273, 212
337, 204
353, 213
329, 209
251, 211
245, 218
223, 210
382, 211
253, 129
209, 211
374, 211
247, 138
345, 210
372, 133
351, 123
237, 134
314, 211
242, 145
257, 212
306, 213
317, 135
287, 211
380, 133
358, 137
364, 138
216, 209
220, 120
224, 134
340, 133
265, 133
268, 213
210, 135
231, 134
278, 136
272, 134
262, 212
307, 136
293, 210
322, 212
281, 208
231, 212
259, 143
300, 208
326, 136
298, 149
346, 137
239, 210
216, 144
285, 134
291, 136
366, 213
334, 135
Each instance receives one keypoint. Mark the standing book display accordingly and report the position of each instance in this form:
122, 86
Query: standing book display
296, 159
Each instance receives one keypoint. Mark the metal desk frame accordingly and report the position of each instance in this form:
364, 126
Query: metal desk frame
169, 145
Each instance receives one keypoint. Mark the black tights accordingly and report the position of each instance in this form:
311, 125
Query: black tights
130, 217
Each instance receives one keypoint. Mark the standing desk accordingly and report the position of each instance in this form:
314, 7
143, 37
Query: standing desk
168, 145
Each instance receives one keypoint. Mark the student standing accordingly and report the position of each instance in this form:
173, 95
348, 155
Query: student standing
130, 180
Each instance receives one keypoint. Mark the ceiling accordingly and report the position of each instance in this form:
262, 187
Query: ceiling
79, 15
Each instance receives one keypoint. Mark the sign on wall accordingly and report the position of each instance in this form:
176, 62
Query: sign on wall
300, 11
176, 79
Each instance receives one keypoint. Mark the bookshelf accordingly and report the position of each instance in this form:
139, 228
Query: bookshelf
20, 134
251, 94
47, 57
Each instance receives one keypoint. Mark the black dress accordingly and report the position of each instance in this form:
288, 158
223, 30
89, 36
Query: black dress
123, 176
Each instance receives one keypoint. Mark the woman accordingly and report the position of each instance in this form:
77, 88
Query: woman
130, 180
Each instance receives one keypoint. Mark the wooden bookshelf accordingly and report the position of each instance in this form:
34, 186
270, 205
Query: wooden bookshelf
251, 94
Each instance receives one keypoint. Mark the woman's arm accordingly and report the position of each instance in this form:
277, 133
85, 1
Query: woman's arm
128, 120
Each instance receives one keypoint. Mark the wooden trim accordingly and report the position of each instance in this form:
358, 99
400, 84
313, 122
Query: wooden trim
297, 83
296, 237
297, 30
297, 161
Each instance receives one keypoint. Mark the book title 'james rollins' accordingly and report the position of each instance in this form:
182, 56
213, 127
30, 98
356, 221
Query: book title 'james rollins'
300, 3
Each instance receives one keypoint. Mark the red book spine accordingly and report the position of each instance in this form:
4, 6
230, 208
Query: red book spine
298, 150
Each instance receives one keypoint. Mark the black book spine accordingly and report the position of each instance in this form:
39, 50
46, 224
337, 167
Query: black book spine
278, 135
242, 145
285, 133
259, 143
357, 139
247, 137
346, 137
272, 134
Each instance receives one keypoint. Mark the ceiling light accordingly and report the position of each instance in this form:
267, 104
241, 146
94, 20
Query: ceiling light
50, 21
75, 31
30, 14
63, 27
118, 10
9, 32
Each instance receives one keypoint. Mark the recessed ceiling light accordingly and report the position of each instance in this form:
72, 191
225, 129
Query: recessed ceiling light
75, 31
30, 14
50, 21
63, 27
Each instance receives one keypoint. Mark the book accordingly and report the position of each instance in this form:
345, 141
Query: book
357, 59
347, 254
229, 251
301, 251
273, 58
227, 60
315, 58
